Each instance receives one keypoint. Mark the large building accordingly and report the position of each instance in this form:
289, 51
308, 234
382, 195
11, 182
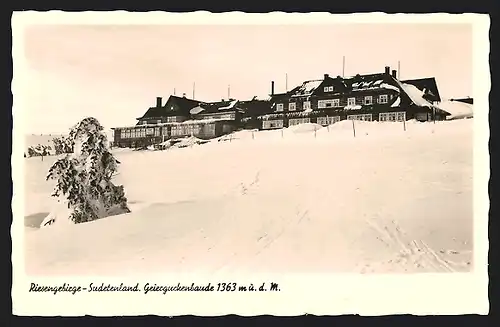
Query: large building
371, 97
181, 117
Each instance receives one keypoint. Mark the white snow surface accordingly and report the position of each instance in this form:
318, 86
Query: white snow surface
387, 200
229, 106
196, 110
308, 87
457, 109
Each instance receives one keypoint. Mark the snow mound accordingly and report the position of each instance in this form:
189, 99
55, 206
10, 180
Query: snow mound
457, 109
188, 142
304, 128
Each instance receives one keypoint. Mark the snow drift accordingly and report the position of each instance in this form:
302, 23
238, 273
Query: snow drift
387, 200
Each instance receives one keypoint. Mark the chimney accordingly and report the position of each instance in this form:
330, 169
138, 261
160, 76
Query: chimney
387, 70
326, 76
272, 87
394, 73
158, 102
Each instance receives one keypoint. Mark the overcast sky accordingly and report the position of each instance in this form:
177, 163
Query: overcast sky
114, 73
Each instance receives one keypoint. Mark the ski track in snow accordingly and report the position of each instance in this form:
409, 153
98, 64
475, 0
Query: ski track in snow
414, 252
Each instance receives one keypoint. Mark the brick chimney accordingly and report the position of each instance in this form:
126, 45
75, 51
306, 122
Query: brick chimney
387, 70
394, 73
326, 76
272, 87
158, 102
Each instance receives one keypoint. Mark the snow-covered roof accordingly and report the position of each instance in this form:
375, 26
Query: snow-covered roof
196, 110
415, 95
229, 106
307, 88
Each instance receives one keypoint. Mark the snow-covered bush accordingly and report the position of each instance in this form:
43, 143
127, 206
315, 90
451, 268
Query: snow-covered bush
39, 151
84, 177
62, 145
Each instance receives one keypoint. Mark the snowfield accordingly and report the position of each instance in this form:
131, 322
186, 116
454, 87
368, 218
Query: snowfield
305, 199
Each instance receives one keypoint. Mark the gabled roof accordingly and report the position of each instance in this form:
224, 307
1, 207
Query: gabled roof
174, 105
428, 85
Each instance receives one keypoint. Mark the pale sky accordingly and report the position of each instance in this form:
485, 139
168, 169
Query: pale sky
114, 73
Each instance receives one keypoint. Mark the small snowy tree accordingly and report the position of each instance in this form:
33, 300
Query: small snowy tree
84, 176
62, 145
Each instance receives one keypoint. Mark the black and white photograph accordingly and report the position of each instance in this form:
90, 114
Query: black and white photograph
237, 146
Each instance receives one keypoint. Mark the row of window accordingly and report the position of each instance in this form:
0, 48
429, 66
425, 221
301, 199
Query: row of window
364, 117
328, 120
192, 129
392, 116
268, 124
131, 133
335, 103
384, 116
298, 121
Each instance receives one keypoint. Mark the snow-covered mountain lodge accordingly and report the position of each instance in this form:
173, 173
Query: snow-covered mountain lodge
370, 97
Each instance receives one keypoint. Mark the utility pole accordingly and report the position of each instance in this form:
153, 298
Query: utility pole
229, 91
343, 66
399, 69
194, 85
286, 82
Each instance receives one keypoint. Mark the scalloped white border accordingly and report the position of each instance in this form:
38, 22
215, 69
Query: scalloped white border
318, 294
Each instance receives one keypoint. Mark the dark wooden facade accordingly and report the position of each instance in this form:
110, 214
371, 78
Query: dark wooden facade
371, 97
178, 118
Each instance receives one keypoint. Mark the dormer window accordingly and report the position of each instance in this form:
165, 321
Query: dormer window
330, 89
279, 107
291, 106
325, 89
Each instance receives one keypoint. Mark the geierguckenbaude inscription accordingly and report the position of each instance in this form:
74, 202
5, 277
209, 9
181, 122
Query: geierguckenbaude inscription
151, 288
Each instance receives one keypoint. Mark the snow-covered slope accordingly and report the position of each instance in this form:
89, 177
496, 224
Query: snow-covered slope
387, 200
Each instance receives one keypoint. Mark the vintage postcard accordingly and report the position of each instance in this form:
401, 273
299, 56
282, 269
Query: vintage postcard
233, 163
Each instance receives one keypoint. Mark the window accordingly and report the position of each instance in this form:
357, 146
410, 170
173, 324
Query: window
383, 98
292, 106
298, 121
328, 103
392, 116
328, 120
307, 105
351, 101
269, 124
325, 89
365, 117
173, 119
330, 89
157, 131
279, 107
368, 100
